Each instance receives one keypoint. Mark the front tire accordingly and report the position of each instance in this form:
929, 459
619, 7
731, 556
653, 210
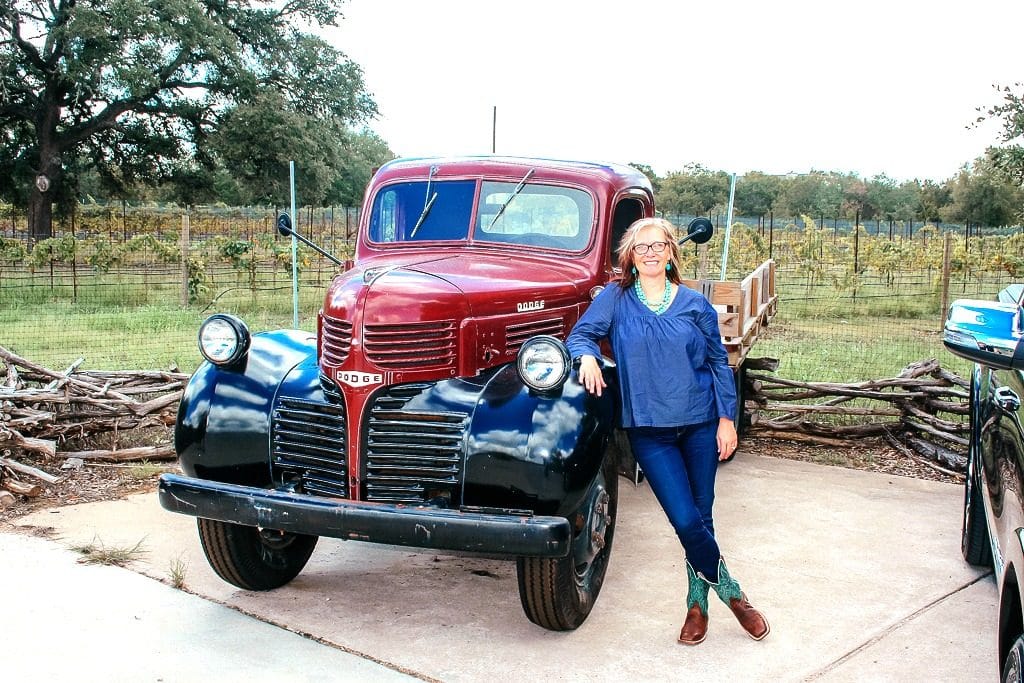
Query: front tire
254, 559
558, 593
974, 541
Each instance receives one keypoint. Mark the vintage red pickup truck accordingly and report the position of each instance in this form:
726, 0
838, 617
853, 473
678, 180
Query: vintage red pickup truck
435, 406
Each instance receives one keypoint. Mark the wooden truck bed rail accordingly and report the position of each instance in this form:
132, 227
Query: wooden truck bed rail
744, 308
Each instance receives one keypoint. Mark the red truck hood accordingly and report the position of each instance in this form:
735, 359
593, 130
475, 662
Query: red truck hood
454, 286
495, 285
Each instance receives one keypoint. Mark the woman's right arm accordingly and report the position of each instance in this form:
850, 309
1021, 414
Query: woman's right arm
583, 341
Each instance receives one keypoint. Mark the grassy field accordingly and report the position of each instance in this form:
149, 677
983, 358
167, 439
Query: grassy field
826, 332
133, 319
120, 322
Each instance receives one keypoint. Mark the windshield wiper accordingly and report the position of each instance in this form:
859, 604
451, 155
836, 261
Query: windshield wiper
423, 215
428, 201
519, 188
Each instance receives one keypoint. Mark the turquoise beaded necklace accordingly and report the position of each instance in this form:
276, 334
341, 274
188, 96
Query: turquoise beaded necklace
665, 300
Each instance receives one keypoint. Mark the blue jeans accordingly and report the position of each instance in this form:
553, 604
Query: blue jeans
680, 463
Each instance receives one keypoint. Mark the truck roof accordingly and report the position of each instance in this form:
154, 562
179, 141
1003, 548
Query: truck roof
616, 175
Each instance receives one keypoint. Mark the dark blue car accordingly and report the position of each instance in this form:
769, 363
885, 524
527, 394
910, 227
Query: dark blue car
990, 334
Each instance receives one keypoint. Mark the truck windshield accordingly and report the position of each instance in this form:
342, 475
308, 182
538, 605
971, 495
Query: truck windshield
540, 216
397, 209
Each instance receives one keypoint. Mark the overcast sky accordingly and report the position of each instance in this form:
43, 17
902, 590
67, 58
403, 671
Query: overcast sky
867, 87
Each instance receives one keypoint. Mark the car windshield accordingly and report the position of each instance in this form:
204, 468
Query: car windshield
540, 215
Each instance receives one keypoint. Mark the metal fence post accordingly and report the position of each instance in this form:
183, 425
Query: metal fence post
184, 259
947, 252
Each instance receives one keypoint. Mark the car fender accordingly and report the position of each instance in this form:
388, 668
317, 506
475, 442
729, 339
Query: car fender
1011, 610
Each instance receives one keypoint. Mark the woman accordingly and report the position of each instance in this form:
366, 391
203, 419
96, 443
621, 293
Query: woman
678, 401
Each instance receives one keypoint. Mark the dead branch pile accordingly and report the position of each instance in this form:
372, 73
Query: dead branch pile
40, 409
921, 412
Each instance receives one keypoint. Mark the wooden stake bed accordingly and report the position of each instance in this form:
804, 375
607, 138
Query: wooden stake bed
744, 308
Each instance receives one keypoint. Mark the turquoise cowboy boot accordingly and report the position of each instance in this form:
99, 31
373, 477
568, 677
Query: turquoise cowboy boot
728, 590
695, 628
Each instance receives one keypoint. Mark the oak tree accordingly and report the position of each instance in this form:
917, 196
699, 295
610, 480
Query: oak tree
132, 87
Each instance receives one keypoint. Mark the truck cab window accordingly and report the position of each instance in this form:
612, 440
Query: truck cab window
627, 211
539, 216
398, 208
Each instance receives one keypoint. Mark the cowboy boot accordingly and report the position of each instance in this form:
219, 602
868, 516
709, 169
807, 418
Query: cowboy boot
695, 628
728, 590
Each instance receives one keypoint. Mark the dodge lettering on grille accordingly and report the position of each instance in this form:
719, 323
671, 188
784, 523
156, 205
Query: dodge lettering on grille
359, 379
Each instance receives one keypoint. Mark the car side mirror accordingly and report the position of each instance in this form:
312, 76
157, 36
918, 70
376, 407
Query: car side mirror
699, 230
985, 332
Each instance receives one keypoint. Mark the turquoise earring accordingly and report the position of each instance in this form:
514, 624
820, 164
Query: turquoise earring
668, 267
634, 270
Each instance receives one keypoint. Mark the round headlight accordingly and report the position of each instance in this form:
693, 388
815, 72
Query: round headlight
543, 363
223, 339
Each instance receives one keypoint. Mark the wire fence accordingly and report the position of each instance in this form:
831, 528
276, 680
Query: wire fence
854, 305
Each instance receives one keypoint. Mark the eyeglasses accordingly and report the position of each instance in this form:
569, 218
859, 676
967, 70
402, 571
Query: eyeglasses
641, 248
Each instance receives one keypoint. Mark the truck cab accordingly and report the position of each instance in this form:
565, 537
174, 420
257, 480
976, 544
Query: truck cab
435, 406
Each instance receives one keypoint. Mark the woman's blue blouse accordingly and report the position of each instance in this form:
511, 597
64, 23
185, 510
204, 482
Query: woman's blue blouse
673, 369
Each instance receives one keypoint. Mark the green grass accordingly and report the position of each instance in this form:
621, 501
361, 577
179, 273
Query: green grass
133, 320
859, 349
141, 327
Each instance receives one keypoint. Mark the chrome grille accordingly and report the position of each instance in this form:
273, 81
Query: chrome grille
411, 345
413, 457
330, 389
516, 334
337, 340
309, 446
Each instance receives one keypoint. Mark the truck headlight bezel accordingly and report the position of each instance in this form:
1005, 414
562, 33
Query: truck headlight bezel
223, 339
543, 363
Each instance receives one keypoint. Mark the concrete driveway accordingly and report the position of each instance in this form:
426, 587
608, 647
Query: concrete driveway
860, 575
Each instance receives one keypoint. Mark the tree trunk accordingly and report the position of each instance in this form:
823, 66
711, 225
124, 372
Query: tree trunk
40, 214
48, 175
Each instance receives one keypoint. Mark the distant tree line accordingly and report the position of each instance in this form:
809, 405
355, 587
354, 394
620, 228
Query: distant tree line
987, 192
981, 194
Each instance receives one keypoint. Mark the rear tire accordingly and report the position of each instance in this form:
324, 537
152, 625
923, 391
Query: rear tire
558, 593
1013, 666
254, 559
974, 541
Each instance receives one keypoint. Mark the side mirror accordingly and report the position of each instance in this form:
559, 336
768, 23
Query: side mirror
985, 332
700, 231
284, 224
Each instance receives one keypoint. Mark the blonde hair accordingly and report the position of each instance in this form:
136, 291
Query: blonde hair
629, 239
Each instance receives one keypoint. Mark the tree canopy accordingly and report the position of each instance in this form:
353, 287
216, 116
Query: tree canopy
980, 194
156, 90
1008, 157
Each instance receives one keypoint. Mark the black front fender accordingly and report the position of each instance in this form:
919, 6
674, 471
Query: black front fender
535, 451
223, 427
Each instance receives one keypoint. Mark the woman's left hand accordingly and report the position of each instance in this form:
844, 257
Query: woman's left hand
726, 438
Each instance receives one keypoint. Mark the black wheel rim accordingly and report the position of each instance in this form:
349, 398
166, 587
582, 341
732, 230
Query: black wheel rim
589, 547
274, 546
